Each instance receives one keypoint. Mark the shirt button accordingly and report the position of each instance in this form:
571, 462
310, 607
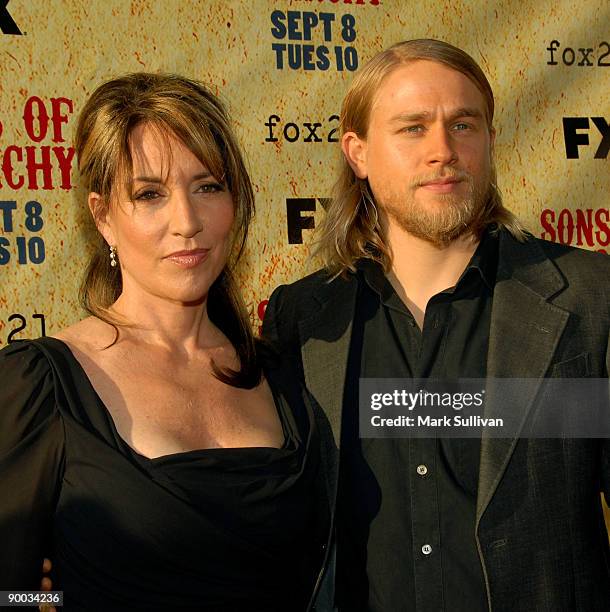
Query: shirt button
426, 549
422, 470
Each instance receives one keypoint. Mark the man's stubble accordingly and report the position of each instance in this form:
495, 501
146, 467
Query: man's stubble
445, 218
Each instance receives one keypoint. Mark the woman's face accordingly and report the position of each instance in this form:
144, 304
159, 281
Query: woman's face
173, 232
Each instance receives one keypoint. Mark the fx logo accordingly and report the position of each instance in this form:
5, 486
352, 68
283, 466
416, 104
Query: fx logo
296, 221
7, 23
573, 139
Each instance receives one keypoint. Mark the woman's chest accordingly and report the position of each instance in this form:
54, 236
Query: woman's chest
159, 412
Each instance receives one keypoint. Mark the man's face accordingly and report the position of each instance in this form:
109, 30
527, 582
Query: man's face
427, 154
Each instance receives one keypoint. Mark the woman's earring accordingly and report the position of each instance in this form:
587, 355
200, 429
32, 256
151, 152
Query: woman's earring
113, 261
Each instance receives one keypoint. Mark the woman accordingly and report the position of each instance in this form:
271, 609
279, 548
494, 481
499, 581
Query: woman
152, 450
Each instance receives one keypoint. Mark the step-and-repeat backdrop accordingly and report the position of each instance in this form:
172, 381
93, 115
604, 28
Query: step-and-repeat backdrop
282, 67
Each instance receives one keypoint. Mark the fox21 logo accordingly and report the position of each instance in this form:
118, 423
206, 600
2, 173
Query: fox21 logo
7, 23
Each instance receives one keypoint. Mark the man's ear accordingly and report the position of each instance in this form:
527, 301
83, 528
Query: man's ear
100, 217
354, 148
492, 139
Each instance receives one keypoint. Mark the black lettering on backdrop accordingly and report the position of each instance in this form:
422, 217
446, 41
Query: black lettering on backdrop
7, 23
604, 145
298, 31
578, 56
604, 55
574, 138
296, 221
30, 249
20, 322
307, 131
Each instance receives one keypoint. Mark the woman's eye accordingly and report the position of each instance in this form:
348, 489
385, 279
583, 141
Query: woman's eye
210, 188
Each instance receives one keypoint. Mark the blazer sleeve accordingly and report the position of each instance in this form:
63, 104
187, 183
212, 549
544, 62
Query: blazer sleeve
606, 443
31, 464
606, 472
271, 330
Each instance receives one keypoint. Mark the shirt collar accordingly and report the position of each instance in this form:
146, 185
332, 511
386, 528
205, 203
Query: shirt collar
485, 258
484, 261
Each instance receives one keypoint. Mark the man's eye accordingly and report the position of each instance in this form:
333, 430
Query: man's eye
414, 129
461, 127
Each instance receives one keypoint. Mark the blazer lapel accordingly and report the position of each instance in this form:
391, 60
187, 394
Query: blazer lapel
325, 339
524, 332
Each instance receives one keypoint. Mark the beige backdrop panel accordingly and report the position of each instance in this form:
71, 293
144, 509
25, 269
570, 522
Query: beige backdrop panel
66, 49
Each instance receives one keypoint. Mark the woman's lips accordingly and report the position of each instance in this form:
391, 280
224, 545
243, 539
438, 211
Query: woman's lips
189, 259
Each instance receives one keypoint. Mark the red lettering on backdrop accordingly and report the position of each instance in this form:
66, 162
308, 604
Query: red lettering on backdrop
8, 168
583, 227
58, 118
40, 167
260, 311
64, 159
35, 120
44, 166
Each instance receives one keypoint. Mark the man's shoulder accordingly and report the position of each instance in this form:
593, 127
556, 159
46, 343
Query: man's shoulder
589, 265
559, 249
319, 295
320, 285
577, 275
532, 247
316, 279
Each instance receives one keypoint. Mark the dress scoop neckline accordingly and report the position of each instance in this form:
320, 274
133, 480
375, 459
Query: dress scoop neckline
278, 403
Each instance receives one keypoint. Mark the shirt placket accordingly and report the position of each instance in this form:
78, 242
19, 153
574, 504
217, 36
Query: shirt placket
423, 475
425, 525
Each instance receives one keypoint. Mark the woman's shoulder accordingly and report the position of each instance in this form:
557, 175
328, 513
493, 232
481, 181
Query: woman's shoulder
31, 369
88, 335
27, 392
24, 363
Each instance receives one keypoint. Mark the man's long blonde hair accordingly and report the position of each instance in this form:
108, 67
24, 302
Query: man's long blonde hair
351, 229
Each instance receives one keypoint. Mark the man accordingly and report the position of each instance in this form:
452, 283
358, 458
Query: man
428, 275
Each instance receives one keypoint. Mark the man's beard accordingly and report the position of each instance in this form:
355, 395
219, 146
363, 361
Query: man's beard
449, 217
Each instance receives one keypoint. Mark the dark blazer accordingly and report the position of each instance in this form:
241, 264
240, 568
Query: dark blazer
539, 528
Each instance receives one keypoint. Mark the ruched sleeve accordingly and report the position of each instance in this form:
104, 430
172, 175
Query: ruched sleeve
31, 464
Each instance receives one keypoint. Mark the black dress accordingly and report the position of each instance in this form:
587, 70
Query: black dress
211, 530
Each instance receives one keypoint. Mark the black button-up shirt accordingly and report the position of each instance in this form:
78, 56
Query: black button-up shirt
406, 508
